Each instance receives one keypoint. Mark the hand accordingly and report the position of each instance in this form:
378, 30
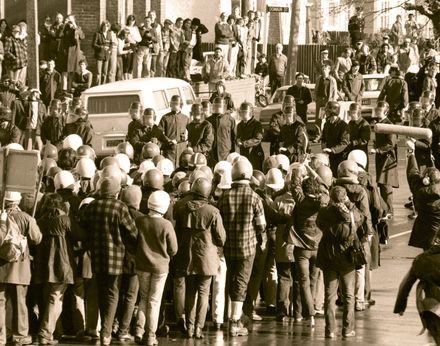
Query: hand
369, 238
327, 150
3, 216
410, 144
373, 151
174, 142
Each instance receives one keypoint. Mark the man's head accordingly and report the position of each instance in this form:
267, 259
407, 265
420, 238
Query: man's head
427, 99
82, 65
381, 110
197, 112
324, 54
55, 107
332, 109
15, 31
147, 22
411, 16
359, 11
135, 110
394, 71
175, 103
355, 66
279, 48
221, 87
398, 18
50, 65
299, 78
223, 16
346, 53
432, 69
179, 22
218, 53
149, 117
152, 15
207, 108
218, 106
245, 111
325, 69
354, 111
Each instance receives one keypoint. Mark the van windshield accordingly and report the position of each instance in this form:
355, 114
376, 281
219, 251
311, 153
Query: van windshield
110, 104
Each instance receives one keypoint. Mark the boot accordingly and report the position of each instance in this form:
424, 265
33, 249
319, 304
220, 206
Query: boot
237, 329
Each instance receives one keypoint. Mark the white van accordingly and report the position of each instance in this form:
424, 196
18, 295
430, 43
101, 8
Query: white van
108, 105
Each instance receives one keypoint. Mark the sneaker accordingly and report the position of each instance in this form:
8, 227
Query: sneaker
151, 341
311, 322
181, 325
44, 341
359, 306
298, 319
106, 340
319, 312
330, 335
198, 334
256, 317
237, 329
124, 337
190, 331
23, 340
349, 334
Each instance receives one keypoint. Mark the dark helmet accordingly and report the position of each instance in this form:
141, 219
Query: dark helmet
201, 187
383, 104
47, 164
125, 148
153, 178
108, 161
258, 179
53, 171
218, 101
150, 150
157, 159
67, 159
149, 111
206, 105
197, 160
5, 113
288, 100
49, 150
332, 108
86, 151
185, 158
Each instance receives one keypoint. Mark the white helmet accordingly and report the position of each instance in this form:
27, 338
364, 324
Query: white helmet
12, 196
86, 201
64, 180
111, 172
72, 141
232, 157
284, 162
124, 162
359, 157
225, 180
86, 168
14, 146
159, 201
274, 179
297, 166
222, 166
145, 166
166, 166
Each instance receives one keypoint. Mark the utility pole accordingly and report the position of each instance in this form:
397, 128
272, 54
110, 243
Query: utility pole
292, 55
32, 41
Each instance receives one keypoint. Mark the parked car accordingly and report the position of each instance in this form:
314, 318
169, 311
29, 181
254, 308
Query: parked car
108, 106
373, 85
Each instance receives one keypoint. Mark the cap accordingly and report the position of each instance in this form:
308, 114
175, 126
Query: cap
355, 63
386, 37
324, 50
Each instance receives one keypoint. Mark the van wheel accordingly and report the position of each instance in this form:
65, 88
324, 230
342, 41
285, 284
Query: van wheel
262, 100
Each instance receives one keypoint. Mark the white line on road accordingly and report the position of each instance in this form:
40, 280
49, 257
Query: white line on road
399, 234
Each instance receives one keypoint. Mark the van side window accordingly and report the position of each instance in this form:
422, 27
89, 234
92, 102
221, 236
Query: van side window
173, 91
160, 100
189, 96
110, 104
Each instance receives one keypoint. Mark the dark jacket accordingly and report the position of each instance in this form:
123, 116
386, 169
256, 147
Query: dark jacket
50, 86
306, 232
335, 136
294, 138
227, 99
138, 135
203, 230
360, 133
337, 238
9, 133
426, 226
101, 46
81, 128
224, 136
272, 135
386, 158
435, 142
250, 134
300, 94
52, 131
200, 136
395, 92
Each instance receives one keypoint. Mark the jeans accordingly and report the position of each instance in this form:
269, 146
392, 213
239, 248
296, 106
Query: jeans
52, 310
165, 59
287, 278
101, 71
108, 300
112, 66
255, 280
179, 296
20, 322
318, 291
218, 292
360, 285
331, 282
237, 277
151, 288
233, 55
142, 62
86, 310
197, 288
127, 301
307, 276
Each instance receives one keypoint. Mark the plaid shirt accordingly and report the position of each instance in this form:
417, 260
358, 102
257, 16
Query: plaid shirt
16, 55
243, 217
108, 223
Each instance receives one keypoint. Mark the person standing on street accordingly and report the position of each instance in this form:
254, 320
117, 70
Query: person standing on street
302, 96
326, 90
277, 68
353, 84
358, 129
397, 33
395, 93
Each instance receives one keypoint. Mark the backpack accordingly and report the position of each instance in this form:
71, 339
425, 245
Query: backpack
13, 244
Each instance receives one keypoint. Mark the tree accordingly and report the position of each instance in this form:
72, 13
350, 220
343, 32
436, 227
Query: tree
293, 42
428, 8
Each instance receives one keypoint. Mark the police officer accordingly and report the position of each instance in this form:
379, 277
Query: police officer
359, 130
385, 148
335, 137
173, 126
276, 122
293, 136
249, 136
200, 132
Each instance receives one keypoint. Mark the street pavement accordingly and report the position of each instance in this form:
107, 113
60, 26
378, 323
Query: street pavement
377, 325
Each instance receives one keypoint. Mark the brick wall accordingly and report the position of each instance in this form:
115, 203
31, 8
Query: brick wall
112, 11
140, 9
87, 14
274, 28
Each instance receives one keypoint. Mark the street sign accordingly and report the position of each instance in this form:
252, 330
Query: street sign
277, 9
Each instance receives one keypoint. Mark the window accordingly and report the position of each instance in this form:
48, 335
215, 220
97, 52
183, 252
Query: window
189, 96
160, 100
384, 17
110, 104
334, 13
171, 92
